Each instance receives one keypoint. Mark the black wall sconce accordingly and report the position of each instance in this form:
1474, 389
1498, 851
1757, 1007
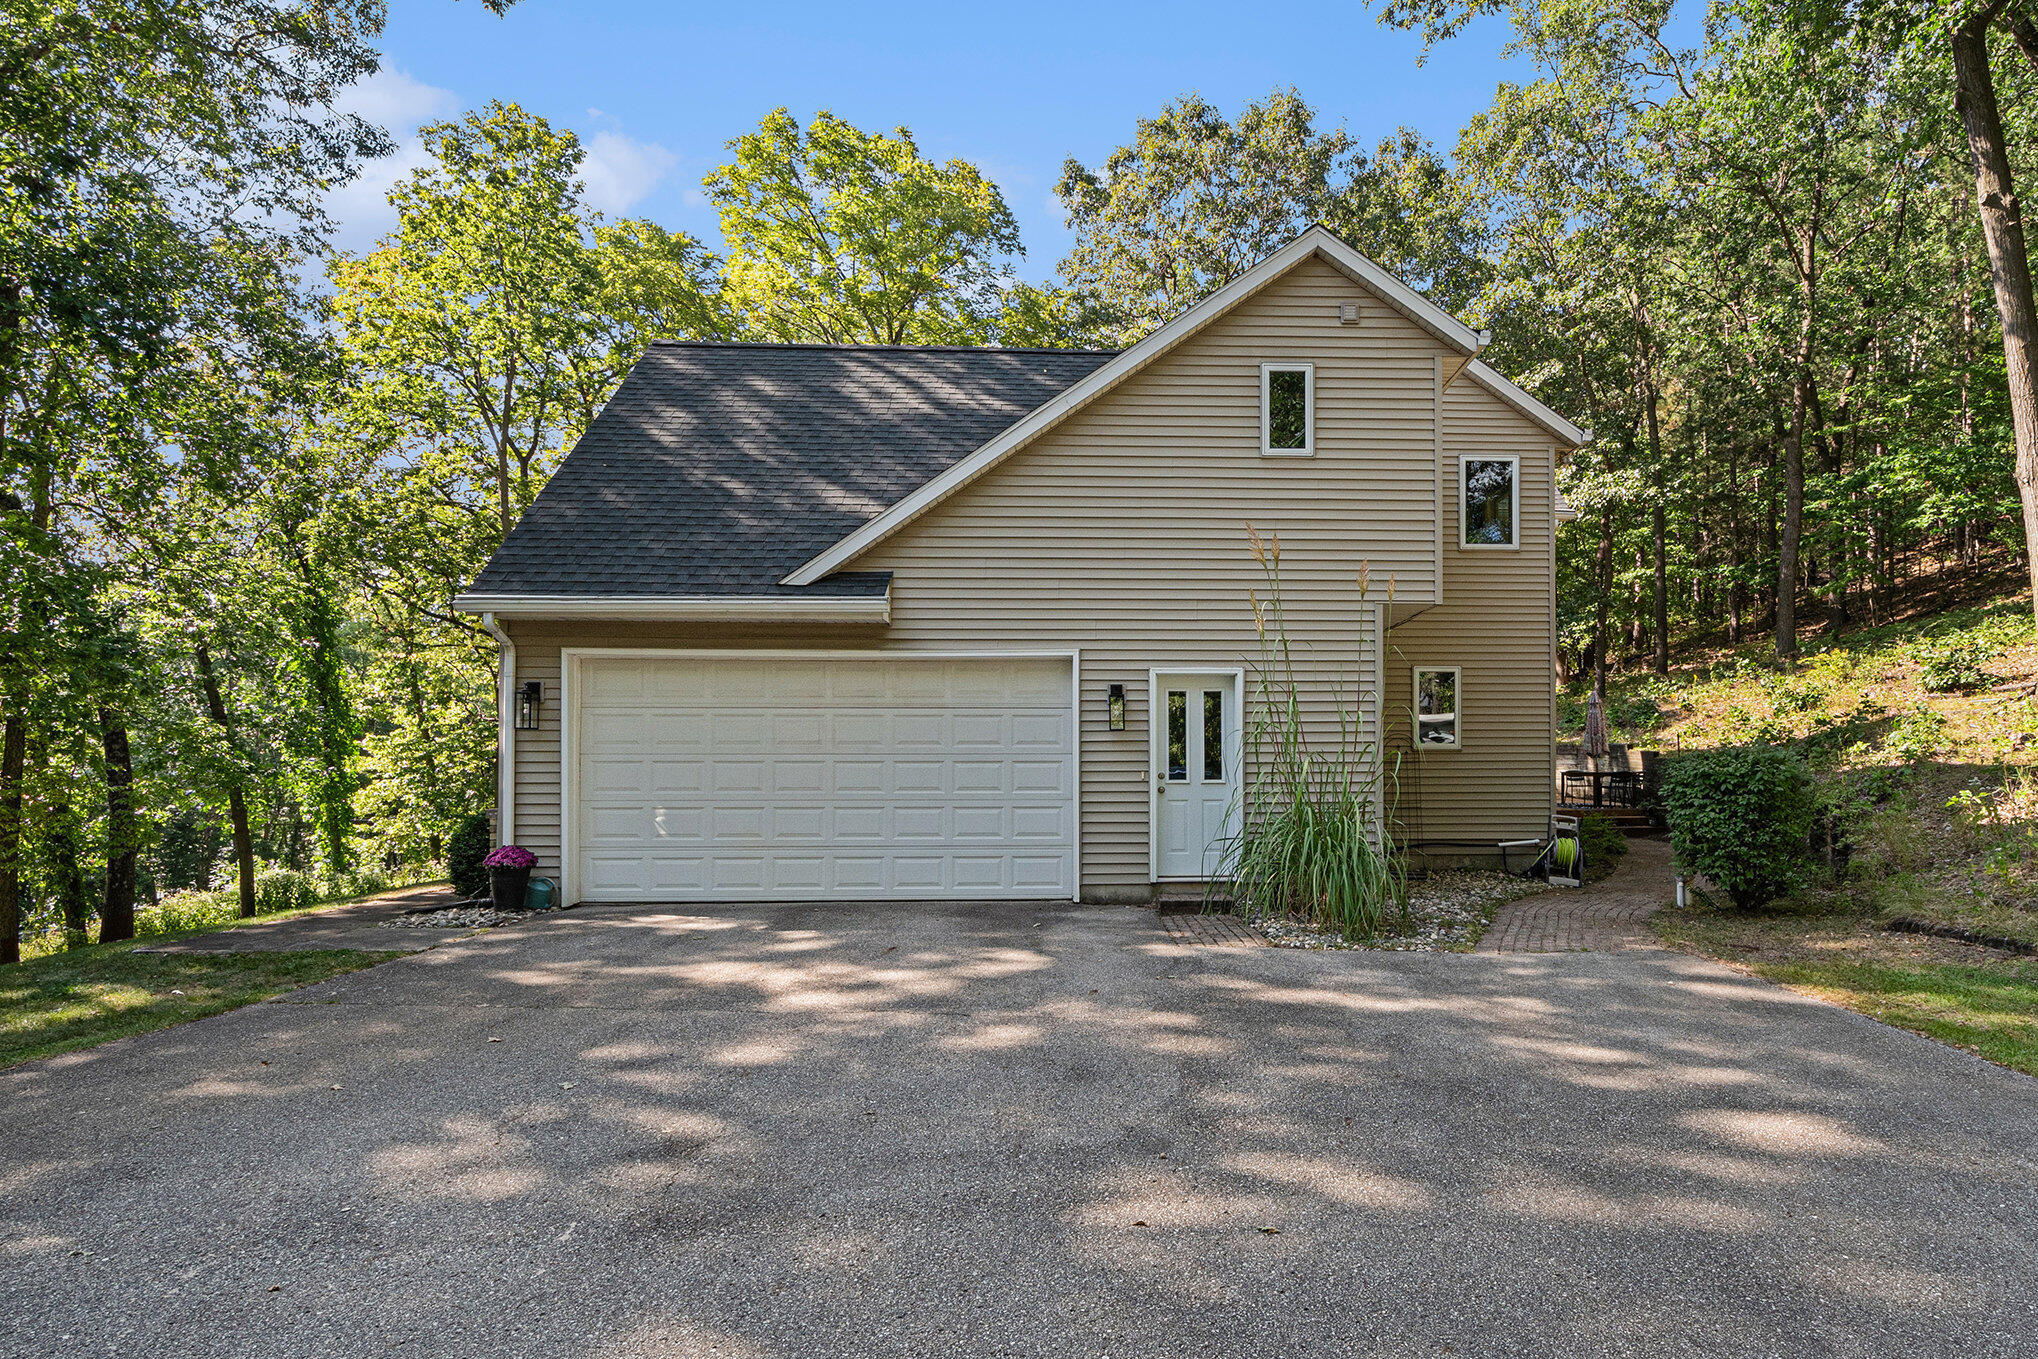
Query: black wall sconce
1115, 705
530, 696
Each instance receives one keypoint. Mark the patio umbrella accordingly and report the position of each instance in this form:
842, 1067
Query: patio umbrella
1595, 729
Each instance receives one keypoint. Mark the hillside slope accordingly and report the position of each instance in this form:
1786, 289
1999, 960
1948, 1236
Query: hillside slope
1924, 735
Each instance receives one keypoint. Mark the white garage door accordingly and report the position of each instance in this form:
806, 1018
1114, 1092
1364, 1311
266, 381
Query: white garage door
781, 778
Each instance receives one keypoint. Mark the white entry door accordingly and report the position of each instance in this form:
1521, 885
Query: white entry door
720, 778
1197, 752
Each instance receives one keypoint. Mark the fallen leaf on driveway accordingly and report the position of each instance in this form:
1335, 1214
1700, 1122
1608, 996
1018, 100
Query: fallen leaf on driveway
1271, 1231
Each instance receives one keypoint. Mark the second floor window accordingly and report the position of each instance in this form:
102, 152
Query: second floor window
1491, 499
1288, 409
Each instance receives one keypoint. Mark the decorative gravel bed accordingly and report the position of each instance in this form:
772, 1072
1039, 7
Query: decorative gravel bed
1446, 912
461, 918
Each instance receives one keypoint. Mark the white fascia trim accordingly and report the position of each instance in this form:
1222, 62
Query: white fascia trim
1315, 241
686, 608
1567, 433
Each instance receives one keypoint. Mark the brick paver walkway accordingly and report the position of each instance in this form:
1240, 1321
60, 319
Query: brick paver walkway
1609, 914
1216, 931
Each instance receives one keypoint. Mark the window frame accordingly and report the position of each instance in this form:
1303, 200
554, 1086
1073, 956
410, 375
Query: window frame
1308, 371
1415, 715
1465, 460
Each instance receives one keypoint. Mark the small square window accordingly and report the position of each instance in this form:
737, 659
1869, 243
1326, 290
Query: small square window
1288, 409
1436, 707
1491, 493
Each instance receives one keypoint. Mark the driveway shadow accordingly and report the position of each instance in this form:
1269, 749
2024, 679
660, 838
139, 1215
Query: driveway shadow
1007, 1129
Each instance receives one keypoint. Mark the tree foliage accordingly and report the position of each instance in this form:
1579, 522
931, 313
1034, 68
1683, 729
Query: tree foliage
844, 236
1196, 199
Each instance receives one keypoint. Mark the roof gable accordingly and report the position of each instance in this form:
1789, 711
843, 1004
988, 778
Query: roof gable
1315, 243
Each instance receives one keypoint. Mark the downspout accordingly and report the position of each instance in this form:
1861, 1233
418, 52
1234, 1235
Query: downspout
505, 733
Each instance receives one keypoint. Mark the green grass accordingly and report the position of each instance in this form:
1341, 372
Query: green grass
155, 925
1989, 1009
90, 995
1969, 997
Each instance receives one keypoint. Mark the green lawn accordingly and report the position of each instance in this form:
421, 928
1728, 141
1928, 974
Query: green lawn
1990, 1009
89, 995
1973, 998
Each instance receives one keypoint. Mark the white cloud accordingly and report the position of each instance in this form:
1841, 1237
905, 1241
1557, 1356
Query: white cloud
398, 102
360, 208
619, 172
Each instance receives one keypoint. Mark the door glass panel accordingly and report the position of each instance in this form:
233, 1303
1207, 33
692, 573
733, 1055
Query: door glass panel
1178, 734
1213, 735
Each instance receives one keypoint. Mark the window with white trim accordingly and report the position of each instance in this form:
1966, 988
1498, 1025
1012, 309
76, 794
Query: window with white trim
1436, 707
1490, 500
1288, 409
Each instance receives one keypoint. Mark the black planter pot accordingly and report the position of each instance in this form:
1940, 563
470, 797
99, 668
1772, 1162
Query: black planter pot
509, 887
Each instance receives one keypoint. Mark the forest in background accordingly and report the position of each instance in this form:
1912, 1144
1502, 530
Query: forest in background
1764, 254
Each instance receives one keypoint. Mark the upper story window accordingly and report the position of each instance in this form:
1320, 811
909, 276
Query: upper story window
1288, 409
1491, 488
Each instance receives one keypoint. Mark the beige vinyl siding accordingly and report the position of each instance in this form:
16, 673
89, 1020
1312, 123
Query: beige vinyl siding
537, 759
1494, 625
1122, 532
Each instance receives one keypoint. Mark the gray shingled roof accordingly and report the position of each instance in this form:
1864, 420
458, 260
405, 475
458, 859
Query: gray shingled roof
719, 468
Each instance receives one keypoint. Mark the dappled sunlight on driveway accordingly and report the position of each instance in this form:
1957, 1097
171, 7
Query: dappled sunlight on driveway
810, 1130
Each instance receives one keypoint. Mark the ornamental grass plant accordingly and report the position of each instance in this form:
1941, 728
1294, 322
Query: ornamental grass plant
1311, 842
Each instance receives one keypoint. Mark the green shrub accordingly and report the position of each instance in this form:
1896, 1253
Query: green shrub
1958, 668
465, 850
1742, 817
283, 889
188, 911
358, 882
1635, 715
1917, 735
1794, 696
1602, 839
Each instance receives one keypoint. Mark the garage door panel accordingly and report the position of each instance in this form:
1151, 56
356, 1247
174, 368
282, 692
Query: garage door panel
1044, 823
741, 777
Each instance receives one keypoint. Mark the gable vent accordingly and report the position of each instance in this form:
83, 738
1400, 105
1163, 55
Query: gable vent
1347, 313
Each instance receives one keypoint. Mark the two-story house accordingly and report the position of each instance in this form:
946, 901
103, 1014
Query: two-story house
809, 620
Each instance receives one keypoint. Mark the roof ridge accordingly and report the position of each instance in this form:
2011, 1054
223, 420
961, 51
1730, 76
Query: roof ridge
906, 348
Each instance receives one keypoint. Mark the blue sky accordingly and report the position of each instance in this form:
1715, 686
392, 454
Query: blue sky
655, 90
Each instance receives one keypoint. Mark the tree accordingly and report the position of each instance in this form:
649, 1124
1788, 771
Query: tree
850, 237
1196, 199
476, 341
2002, 221
160, 169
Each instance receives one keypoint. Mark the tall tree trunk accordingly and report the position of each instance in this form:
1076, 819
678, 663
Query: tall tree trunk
1661, 611
116, 907
14, 691
1770, 516
236, 798
2002, 224
1734, 589
1793, 508
13, 757
61, 842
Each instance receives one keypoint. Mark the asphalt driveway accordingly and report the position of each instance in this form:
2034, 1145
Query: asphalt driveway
1012, 1131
